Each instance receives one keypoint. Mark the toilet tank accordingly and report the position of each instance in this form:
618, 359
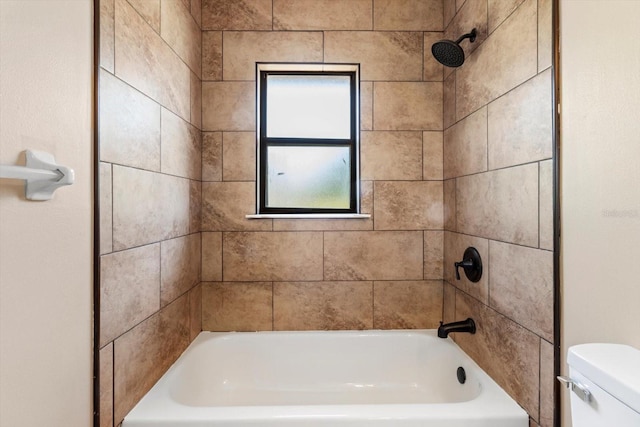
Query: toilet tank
611, 375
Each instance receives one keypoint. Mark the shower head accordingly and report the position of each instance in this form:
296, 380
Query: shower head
449, 52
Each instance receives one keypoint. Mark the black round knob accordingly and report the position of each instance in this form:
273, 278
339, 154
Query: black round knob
471, 263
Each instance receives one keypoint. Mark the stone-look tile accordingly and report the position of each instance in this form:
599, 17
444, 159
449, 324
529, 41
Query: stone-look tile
503, 61
195, 206
521, 286
449, 11
240, 306
520, 124
212, 55
545, 34
149, 10
148, 207
242, 49
432, 155
186, 4
408, 205
129, 125
239, 156
146, 62
449, 304
508, 208
473, 14
107, 35
454, 246
366, 207
180, 266
229, 106
211, 257
449, 100
447, 72
322, 305
465, 146
546, 205
225, 204
408, 15
106, 386
505, 350
322, 15
499, 10
391, 155
182, 33
407, 304
433, 70
106, 209
373, 255
164, 335
547, 382
196, 11
181, 147
433, 255
282, 256
407, 106
129, 289
366, 105
236, 14
388, 56
450, 205
195, 312
459, 4
212, 156
196, 101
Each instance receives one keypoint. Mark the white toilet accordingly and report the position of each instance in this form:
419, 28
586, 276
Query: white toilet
605, 385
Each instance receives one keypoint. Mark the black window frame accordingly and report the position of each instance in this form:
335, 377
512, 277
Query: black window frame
263, 70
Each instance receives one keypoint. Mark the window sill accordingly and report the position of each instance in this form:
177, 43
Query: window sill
308, 216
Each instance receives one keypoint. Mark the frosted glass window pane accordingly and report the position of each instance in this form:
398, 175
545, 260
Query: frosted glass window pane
308, 177
309, 106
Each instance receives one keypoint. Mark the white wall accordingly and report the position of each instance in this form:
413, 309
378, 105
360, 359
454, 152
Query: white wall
46, 247
600, 125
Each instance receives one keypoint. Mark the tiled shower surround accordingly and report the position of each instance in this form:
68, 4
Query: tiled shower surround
297, 274
450, 159
498, 193
150, 172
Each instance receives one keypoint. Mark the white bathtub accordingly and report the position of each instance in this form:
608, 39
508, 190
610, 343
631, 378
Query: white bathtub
317, 379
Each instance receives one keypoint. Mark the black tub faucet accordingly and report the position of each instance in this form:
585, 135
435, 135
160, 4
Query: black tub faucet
462, 326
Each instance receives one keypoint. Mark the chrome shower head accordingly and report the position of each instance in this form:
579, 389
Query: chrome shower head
449, 52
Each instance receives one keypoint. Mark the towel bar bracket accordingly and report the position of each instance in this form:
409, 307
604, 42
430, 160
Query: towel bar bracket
41, 174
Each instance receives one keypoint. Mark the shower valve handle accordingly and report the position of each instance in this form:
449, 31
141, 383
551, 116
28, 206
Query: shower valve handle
467, 263
471, 263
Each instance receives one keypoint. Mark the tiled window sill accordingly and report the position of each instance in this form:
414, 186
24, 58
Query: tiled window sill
308, 216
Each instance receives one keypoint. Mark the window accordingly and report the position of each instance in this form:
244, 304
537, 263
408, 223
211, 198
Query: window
308, 139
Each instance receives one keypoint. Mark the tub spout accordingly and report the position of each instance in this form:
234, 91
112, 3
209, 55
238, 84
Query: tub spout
462, 326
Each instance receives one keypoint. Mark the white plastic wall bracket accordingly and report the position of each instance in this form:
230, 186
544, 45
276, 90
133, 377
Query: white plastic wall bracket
41, 174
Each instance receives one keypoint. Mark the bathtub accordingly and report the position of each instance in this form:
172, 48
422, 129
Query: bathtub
318, 379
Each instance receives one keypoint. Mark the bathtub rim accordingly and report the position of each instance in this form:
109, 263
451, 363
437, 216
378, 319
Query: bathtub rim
492, 401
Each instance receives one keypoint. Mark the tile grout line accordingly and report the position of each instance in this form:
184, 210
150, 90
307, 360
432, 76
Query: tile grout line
539, 199
113, 379
373, 14
112, 210
373, 304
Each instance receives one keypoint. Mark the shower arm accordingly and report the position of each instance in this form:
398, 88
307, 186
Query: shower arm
471, 36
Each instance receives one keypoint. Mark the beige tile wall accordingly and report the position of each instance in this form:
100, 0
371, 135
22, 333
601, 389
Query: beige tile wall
432, 140
150, 194
497, 117
325, 274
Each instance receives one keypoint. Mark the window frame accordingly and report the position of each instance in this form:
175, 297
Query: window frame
263, 70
